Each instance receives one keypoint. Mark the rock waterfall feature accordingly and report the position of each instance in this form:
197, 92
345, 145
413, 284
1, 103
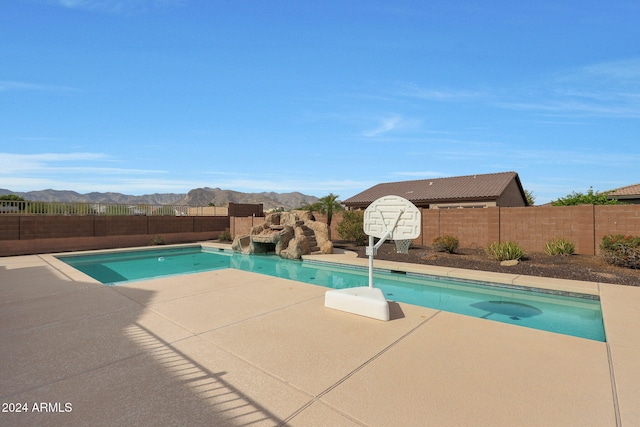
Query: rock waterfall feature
288, 234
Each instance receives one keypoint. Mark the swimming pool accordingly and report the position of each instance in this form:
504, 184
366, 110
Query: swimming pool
577, 315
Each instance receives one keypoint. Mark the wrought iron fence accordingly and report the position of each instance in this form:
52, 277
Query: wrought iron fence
16, 207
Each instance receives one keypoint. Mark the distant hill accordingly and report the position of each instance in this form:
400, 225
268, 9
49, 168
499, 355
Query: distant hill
204, 196
73, 197
196, 197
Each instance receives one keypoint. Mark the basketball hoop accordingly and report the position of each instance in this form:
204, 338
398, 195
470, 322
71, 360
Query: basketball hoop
389, 217
402, 246
394, 218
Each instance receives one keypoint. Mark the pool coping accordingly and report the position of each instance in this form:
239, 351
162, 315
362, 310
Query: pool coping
349, 258
516, 280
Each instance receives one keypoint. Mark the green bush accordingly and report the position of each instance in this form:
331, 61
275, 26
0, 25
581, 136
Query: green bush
352, 227
157, 240
589, 198
447, 244
620, 250
224, 236
559, 246
504, 251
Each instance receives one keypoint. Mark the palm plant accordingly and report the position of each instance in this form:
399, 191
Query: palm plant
327, 205
310, 207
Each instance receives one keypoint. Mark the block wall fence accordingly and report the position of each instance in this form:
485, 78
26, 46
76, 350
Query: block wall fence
530, 227
34, 234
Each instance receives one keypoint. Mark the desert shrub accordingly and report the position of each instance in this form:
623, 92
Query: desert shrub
352, 227
224, 236
559, 246
447, 244
157, 240
620, 250
503, 251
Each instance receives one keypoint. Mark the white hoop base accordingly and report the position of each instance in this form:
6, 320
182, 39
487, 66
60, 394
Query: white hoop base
364, 301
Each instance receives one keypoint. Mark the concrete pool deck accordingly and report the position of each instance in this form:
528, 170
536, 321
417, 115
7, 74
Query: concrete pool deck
233, 348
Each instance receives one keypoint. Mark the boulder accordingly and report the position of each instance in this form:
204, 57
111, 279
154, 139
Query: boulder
285, 236
241, 244
320, 229
272, 219
297, 247
326, 247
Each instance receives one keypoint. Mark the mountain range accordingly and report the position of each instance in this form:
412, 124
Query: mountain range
196, 197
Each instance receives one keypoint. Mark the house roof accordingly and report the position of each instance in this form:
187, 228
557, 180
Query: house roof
458, 188
629, 190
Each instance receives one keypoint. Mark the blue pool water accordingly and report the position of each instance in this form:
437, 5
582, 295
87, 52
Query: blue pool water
579, 315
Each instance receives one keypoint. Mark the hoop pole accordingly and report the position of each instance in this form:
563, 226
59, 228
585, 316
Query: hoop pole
371, 262
373, 248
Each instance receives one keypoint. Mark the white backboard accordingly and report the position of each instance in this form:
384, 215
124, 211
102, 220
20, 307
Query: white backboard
381, 215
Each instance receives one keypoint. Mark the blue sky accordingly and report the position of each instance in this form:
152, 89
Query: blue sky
158, 96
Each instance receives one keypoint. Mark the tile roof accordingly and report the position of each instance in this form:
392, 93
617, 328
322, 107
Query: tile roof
629, 190
457, 188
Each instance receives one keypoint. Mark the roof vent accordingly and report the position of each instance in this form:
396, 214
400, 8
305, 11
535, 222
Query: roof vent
430, 182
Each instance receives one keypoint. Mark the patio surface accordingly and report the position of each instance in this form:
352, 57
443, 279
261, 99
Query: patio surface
233, 348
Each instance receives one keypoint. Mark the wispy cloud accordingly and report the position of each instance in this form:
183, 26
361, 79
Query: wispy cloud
623, 71
415, 91
388, 124
87, 172
392, 123
609, 89
87, 185
37, 139
577, 157
82, 172
26, 162
516, 157
114, 6
61, 163
576, 108
6, 86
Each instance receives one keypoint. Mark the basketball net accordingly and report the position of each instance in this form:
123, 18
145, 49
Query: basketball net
402, 246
